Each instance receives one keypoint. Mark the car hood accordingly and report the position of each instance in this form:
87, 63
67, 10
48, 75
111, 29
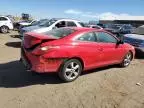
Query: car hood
30, 28
24, 23
135, 36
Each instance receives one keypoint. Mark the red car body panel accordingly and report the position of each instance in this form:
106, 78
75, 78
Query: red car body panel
91, 54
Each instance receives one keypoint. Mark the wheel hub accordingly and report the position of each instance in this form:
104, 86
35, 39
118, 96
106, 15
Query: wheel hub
72, 70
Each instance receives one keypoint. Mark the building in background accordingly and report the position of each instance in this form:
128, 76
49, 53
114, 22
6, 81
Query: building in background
133, 20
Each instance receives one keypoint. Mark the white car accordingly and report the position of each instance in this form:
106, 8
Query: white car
26, 23
5, 24
56, 23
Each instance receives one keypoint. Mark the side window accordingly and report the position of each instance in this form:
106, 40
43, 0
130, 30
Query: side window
3, 19
71, 24
105, 38
61, 24
88, 37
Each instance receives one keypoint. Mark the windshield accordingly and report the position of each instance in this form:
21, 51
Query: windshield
47, 23
39, 22
60, 32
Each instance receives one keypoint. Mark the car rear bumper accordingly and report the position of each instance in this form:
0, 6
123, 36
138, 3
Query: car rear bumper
38, 63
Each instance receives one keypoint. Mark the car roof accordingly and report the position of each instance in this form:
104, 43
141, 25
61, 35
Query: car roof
67, 19
84, 29
4, 16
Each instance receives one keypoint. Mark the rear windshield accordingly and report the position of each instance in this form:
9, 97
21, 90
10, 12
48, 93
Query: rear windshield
60, 32
47, 23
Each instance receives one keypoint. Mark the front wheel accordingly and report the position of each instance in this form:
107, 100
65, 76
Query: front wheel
127, 60
70, 70
4, 29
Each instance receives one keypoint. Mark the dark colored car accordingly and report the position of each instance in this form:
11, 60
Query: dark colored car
69, 51
136, 39
119, 28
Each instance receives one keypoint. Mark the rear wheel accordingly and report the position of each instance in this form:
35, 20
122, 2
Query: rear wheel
127, 60
70, 70
4, 29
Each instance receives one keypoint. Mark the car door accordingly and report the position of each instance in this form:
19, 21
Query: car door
89, 50
3, 21
111, 52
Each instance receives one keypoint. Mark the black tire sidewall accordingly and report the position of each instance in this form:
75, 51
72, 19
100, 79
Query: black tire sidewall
63, 67
4, 27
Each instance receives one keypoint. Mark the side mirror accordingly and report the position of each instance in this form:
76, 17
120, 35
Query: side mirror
120, 42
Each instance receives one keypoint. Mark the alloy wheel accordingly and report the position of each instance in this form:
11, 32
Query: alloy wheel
127, 59
72, 70
4, 29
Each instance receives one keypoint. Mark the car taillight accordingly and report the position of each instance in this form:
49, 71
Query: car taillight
43, 50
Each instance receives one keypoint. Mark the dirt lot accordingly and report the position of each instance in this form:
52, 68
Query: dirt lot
110, 87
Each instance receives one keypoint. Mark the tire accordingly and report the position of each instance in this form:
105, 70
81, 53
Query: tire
4, 29
70, 70
127, 60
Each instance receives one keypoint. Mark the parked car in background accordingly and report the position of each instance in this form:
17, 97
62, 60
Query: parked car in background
21, 24
101, 25
94, 26
136, 39
39, 22
35, 25
69, 51
119, 28
5, 24
52, 24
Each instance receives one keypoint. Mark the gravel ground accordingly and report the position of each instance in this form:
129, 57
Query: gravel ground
110, 87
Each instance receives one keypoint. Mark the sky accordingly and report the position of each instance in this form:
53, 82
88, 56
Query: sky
84, 10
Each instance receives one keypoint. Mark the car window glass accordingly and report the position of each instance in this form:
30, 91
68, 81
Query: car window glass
105, 38
3, 19
71, 24
88, 37
46, 23
82, 24
61, 24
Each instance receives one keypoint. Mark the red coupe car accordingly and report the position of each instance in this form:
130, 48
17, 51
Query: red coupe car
69, 51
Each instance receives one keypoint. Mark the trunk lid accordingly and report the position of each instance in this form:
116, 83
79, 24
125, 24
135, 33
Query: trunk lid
32, 40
